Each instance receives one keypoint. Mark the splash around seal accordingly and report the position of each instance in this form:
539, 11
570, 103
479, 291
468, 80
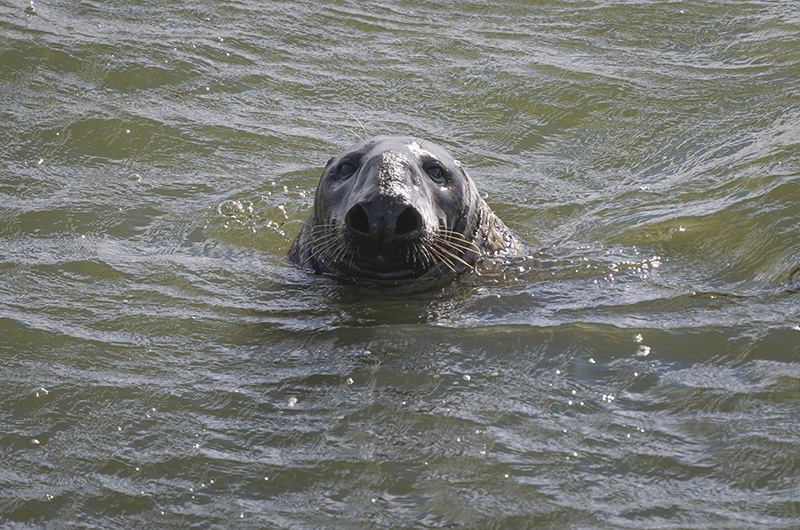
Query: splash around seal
398, 208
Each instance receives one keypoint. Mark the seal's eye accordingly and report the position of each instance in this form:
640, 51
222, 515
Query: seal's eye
436, 173
345, 170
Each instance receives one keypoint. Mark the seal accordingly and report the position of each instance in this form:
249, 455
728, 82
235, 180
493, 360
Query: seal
398, 208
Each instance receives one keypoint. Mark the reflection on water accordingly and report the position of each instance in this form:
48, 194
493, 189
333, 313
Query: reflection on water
164, 365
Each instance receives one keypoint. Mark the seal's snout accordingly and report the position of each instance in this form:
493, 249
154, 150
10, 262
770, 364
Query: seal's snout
380, 222
409, 223
357, 221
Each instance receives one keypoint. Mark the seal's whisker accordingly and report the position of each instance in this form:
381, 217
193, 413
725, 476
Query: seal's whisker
418, 254
341, 251
323, 240
425, 256
453, 256
454, 243
442, 262
456, 236
459, 240
318, 252
328, 229
457, 245
361, 124
322, 233
321, 246
442, 258
430, 256
447, 262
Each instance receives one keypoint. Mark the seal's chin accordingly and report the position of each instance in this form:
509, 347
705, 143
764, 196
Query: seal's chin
400, 275
378, 269
385, 260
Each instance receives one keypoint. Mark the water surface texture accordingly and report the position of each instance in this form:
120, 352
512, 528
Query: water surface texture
163, 366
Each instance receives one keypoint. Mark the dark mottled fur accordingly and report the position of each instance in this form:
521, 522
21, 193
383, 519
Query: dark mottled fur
398, 208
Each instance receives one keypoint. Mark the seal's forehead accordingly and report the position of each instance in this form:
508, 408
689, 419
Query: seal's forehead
421, 149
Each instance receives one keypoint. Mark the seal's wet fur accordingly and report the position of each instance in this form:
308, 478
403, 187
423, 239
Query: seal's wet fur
397, 208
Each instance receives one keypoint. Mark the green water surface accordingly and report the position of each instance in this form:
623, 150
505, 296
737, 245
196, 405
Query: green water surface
162, 365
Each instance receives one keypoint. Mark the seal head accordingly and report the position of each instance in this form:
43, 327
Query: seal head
396, 208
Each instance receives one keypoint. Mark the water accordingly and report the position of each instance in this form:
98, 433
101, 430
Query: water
164, 366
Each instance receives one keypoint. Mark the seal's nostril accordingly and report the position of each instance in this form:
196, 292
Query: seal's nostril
409, 223
357, 221
376, 220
